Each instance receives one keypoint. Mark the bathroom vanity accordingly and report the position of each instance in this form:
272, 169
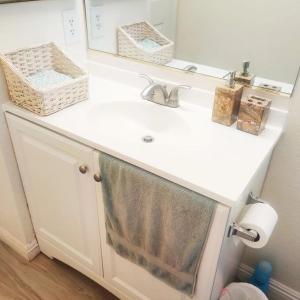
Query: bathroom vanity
58, 158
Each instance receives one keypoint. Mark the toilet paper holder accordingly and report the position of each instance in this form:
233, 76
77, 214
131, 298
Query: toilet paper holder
252, 199
237, 230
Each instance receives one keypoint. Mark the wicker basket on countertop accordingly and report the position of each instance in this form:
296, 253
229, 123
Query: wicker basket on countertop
130, 36
19, 65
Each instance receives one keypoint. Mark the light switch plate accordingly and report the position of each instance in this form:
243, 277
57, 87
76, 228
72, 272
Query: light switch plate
71, 26
96, 21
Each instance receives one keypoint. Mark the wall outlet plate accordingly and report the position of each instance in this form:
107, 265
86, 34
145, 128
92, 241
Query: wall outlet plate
96, 20
71, 26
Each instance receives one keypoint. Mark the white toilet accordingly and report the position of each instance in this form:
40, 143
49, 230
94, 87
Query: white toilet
242, 291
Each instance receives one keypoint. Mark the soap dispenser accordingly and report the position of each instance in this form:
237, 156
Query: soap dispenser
227, 101
245, 77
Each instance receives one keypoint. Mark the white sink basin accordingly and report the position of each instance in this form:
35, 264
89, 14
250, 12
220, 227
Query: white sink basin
137, 118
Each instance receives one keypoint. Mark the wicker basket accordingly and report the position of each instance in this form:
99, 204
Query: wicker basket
129, 37
20, 64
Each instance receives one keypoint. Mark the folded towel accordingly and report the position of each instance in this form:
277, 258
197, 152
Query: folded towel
148, 44
48, 78
155, 223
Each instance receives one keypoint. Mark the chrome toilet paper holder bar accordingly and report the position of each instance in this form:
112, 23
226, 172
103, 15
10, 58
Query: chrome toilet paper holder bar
237, 230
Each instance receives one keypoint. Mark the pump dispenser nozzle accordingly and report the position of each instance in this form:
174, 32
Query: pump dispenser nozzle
231, 79
246, 65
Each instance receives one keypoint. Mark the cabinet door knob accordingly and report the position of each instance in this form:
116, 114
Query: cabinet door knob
83, 169
97, 177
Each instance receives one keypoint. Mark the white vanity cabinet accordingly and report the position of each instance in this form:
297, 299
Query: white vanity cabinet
66, 206
56, 174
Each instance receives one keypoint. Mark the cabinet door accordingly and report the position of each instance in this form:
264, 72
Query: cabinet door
61, 197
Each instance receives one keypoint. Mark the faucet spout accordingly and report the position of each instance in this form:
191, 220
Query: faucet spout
190, 68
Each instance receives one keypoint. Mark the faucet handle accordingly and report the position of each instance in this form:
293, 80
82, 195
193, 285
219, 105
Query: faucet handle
174, 97
182, 86
148, 78
175, 89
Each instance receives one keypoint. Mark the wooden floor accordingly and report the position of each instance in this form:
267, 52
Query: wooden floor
44, 279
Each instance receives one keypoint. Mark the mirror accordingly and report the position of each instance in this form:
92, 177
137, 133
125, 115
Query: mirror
205, 36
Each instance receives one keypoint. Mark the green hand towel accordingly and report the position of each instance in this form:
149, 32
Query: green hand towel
155, 223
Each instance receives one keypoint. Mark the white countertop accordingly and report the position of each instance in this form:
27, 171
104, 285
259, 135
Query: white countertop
206, 157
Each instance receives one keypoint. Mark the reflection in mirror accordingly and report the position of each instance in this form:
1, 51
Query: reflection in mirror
258, 38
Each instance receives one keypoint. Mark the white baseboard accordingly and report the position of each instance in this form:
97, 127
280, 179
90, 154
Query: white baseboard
277, 290
28, 251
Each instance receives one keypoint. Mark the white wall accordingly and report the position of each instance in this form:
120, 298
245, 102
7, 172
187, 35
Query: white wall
163, 15
30, 23
282, 190
224, 33
21, 25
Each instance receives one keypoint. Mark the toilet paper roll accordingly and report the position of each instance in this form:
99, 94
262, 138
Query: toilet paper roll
262, 218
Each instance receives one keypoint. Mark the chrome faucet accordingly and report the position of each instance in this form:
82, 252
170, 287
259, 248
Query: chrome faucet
190, 68
158, 93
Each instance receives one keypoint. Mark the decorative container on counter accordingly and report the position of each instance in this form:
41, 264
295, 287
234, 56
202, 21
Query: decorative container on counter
43, 79
253, 114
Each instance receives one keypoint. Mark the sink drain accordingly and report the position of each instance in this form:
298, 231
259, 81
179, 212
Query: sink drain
148, 139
